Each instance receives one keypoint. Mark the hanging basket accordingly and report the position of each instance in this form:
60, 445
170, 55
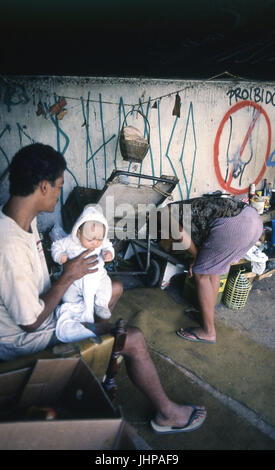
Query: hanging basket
133, 146
236, 291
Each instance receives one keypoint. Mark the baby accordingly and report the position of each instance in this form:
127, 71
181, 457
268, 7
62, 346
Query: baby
92, 293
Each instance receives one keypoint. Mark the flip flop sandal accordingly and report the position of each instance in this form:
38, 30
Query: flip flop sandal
195, 338
178, 429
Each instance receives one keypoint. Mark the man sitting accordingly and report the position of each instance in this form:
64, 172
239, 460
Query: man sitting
28, 300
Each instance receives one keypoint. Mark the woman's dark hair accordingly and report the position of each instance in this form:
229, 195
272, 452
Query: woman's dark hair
33, 164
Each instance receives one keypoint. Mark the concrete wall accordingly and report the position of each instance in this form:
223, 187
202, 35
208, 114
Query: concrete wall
223, 138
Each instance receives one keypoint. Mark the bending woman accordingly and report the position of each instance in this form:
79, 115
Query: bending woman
217, 231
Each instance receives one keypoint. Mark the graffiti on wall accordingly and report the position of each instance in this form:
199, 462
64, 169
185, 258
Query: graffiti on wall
256, 94
6, 128
271, 160
158, 156
162, 154
3, 173
232, 156
175, 145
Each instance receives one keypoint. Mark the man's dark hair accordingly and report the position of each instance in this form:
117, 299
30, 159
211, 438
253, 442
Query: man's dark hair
33, 164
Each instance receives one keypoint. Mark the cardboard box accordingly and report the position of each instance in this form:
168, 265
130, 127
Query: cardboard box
86, 418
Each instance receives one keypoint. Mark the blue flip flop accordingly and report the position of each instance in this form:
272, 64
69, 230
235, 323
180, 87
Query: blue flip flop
186, 428
196, 338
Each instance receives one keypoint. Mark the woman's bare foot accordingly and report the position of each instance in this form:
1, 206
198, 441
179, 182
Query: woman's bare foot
197, 335
182, 416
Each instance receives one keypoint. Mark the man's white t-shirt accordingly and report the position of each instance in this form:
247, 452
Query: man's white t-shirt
24, 277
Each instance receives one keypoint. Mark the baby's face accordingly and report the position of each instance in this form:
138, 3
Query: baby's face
95, 238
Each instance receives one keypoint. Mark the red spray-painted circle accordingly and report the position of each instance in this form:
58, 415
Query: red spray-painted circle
233, 109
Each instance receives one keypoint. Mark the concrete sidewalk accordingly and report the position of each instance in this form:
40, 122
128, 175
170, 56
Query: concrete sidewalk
234, 378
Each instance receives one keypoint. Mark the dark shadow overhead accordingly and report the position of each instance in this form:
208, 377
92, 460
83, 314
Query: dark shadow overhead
166, 39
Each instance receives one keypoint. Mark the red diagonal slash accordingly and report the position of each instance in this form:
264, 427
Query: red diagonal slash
247, 135
259, 111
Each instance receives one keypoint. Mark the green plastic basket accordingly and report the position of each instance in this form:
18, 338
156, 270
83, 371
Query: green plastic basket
236, 290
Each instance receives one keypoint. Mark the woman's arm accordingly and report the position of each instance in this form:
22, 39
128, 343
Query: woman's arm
180, 236
184, 241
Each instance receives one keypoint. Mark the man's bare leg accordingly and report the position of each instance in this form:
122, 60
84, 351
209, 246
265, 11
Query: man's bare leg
141, 370
143, 374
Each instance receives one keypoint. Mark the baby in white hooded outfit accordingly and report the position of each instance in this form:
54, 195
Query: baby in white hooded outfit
92, 293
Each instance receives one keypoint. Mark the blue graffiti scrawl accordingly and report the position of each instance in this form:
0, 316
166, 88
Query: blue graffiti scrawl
21, 132
89, 151
60, 133
173, 148
190, 127
14, 94
270, 161
7, 128
193, 133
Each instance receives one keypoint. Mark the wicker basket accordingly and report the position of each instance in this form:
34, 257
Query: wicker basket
236, 290
134, 150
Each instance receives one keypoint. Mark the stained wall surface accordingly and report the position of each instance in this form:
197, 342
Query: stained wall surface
213, 134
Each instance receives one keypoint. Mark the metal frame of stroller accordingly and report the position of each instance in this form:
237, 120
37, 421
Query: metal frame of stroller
125, 187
